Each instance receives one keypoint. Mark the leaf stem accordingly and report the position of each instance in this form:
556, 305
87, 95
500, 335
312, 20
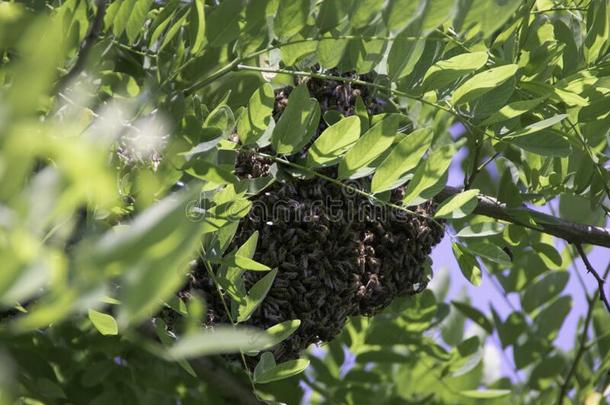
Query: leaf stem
601, 281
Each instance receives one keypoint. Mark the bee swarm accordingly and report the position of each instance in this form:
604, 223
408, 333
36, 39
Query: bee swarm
337, 254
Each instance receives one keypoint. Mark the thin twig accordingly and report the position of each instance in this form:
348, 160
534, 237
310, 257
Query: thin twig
565, 387
85, 49
601, 281
583, 344
478, 169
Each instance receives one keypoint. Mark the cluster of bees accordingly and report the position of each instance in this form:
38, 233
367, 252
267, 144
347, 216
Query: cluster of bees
336, 256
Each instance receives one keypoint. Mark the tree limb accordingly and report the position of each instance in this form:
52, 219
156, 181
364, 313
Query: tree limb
85, 48
569, 231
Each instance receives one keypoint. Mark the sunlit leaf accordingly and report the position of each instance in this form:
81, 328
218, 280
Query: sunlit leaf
104, 323
430, 171
445, 71
402, 158
297, 123
137, 17
372, 144
256, 295
198, 22
485, 394
480, 230
459, 205
490, 252
334, 141
482, 83
291, 17
221, 339
281, 371
468, 264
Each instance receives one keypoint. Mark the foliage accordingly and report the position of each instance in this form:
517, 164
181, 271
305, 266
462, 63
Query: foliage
117, 166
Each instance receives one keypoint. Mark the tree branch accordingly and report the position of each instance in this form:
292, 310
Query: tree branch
569, 231
85, 49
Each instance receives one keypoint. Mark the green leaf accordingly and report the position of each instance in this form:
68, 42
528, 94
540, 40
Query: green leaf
137, 17
256, 295
404, 54
243, 262
485, 394
535, 127
550, 319
152, 254
544, 290
482, 83
598, 30
162, 20
510, 330
403, 157
372, 144
266, 363
222, 24
294, 52
104, 323
598, 109
297, 123
487, 15
513, 110
549, 255
449, 70
362, 113
363, 11
330, 50
198, 22
220, 340
490, 252
281, 371
475, 315
122, 16
430, 171
400, 13
548, 142
254, 121
167, 341
291, 17
459, 205
202, 169
333, 142
468, 264
282, 331
480, 230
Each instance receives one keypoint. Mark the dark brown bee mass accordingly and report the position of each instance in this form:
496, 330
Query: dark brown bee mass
337, 254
